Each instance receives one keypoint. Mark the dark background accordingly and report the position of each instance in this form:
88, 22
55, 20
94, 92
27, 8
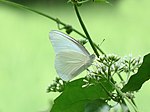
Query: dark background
50, 1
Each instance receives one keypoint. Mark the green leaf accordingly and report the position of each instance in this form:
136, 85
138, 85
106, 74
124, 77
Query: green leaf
136, 81
74, 98
97, 106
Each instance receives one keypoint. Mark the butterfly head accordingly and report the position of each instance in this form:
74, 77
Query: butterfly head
92, 57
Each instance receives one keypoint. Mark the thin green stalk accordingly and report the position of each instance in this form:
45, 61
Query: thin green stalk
113, 82
101, 51
49, 17
120, 77
124, 96
133, 101
32, 10
109, 72
124, 104
108, 93
105, 89
121, 94
85, 31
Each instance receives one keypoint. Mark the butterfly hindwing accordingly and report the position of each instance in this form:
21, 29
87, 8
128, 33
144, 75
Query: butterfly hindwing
70, 64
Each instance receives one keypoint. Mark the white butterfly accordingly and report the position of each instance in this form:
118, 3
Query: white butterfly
71, 57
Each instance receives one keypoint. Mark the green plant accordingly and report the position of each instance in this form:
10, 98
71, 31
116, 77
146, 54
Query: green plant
94, 92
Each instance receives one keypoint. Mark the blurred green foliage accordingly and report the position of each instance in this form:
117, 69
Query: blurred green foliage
51, 1
38, 1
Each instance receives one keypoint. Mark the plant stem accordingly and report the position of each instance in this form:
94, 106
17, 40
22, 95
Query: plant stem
121, 94
85, 31
32, 10
124, 96
49, 17
122, 106
133, 102
108, 93
93, 45
120, 77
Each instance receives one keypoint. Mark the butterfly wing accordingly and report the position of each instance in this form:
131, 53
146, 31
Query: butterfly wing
61, 41
71, 57
69, 64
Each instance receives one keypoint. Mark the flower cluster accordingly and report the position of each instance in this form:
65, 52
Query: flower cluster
106, 66
109, 65
57, 86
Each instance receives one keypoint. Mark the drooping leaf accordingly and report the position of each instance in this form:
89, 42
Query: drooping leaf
136, 81
75, 97
97, 105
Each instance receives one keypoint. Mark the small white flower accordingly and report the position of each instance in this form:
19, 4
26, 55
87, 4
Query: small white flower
61, 82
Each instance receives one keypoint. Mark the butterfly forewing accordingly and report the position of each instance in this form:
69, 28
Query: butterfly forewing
61, 41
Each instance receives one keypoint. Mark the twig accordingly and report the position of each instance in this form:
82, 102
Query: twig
85, 30
49, 17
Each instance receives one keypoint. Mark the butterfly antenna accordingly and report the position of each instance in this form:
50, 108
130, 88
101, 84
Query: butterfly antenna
101, 42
